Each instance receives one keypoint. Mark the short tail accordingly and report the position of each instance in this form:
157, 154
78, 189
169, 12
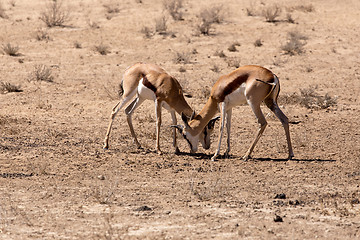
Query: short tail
275, 88
121, 88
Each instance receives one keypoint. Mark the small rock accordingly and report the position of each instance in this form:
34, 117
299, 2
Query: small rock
280, 196
355, 201
101, 177
278, 218
143, 208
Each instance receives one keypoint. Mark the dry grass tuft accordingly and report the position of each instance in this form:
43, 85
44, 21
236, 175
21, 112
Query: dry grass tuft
55, 14
160, 25
272, 13
182, 57
2, 12
295, 44
174, 8
42, 35
102, 49
6, 87
147, 32
258, 43
310, 99
41, 73
10, 50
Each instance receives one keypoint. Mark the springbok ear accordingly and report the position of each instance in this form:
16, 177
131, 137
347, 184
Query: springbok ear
185, 120
212, 122
178, 127
192, 115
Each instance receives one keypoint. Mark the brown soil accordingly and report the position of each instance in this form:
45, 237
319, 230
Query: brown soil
56, 181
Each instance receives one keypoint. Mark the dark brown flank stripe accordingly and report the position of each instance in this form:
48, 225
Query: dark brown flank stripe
232, 86
148, 84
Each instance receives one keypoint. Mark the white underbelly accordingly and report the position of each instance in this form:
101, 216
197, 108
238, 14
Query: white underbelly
144, 92
237, 97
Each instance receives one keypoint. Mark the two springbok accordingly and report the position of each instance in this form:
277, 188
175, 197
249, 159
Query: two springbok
248, 84
149, 81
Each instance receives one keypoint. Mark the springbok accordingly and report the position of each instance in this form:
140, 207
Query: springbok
251, 84
149, 81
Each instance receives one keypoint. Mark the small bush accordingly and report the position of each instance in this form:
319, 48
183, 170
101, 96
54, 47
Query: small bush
212, 15
182, 57
174, 8
204, 27
271, 13
77, 45
55, 15
6, 87
42, 35
215, 68
102, 49
233, 62
112, 8
147, 32
41, 73
220, 53
232, 48
2, 12
160, 25
258, 43
310, 99
295, 44
10, 50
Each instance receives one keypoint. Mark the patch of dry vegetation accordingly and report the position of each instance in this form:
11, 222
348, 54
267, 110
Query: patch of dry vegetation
55, 14
295, 44
310, 99
41, 73
102, 49
6, 87
2, 12
11, 50
208, 17
271, 13
174, 7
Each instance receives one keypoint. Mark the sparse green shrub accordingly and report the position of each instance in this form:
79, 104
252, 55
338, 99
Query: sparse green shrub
174, 8
6, 87
271, 13
10, 50
55, 14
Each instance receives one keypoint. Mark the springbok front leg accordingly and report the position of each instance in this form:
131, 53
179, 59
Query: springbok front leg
228, 127
158, 124
221, 129
174, 122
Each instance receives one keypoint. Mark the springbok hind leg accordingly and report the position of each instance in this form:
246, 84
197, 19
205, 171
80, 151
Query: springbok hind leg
284, 121
114, 112
262, 121
129, 111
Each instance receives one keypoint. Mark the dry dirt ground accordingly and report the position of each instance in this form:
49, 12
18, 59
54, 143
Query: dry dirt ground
56, 181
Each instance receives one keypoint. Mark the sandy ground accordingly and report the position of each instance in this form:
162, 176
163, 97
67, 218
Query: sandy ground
56, 181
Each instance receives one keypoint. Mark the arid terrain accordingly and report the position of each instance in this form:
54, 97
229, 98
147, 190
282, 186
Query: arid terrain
60, 80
